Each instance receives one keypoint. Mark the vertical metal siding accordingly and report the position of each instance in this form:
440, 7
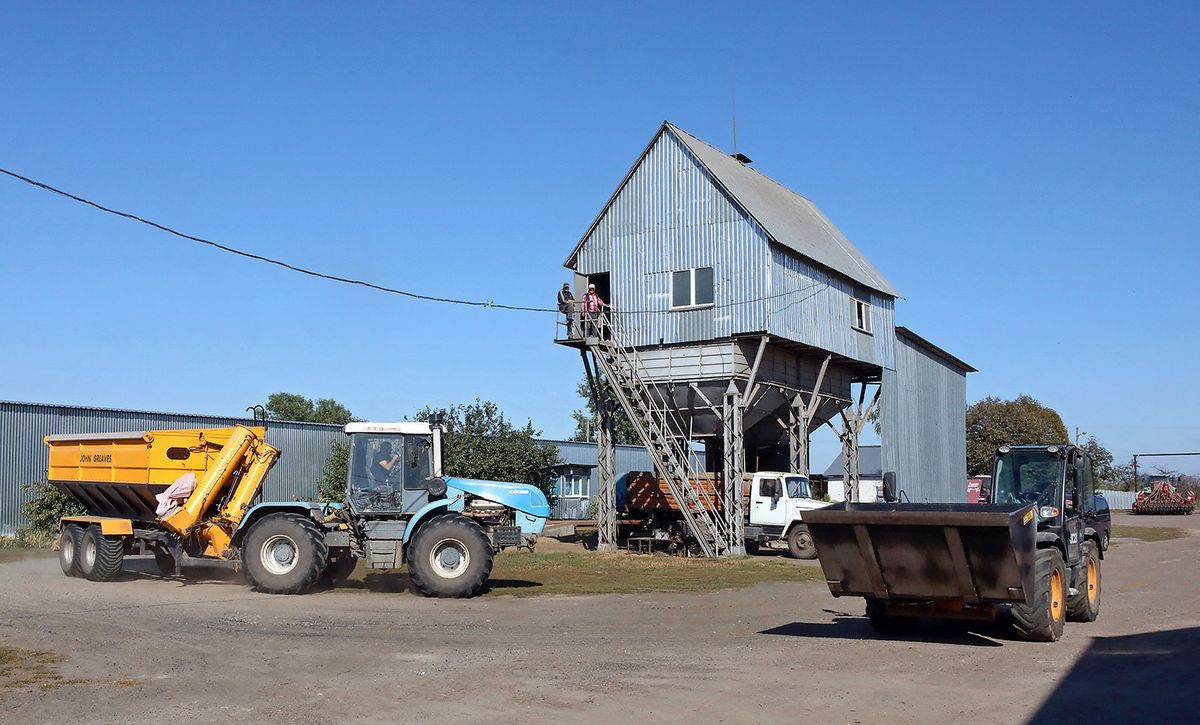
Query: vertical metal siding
628, 458
671, 215
923, 409
305, 447
1119, 500
815, 307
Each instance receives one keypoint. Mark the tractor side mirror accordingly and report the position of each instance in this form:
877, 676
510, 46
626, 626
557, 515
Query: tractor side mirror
889, 486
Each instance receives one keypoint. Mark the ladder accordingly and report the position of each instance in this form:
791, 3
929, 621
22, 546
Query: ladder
662, 431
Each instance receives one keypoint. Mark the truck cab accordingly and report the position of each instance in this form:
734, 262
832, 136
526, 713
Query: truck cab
777, 502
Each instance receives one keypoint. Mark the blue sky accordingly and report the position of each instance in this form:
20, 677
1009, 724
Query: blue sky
1025, 175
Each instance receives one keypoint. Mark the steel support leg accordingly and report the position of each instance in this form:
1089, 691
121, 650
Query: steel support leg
850, 460
606, 506
735, 466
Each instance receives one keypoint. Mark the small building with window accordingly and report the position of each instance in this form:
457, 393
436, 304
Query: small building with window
578, 477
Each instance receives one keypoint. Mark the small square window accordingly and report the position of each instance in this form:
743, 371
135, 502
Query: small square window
692, 288
862, 315
572, 485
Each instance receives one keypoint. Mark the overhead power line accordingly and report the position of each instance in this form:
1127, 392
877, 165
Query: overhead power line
372, 285
269, 260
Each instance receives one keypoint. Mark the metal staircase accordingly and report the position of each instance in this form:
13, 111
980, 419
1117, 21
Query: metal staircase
662, 430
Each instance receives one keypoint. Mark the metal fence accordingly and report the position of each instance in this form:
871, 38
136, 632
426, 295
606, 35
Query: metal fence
1119, 500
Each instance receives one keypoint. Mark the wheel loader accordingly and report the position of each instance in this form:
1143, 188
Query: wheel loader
1032, 555
194, 494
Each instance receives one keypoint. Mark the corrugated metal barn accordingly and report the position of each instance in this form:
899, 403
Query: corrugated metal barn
305, 446
722, 279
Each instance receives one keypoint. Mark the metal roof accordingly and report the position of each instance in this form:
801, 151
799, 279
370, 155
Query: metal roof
934, 350
870, 464
788, 218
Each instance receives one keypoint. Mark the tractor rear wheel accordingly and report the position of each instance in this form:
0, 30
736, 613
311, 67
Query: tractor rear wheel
100, 556
1043, 620
800, 543
68, 549
885, 623
450, 557
284, 553
1085, 605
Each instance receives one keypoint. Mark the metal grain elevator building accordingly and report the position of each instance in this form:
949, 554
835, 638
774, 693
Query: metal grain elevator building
741, 319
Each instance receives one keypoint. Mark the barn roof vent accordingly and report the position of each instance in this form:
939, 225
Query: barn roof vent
743, 158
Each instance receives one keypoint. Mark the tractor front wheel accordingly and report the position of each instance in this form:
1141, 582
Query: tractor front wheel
450, 557
284, 553
1042, 621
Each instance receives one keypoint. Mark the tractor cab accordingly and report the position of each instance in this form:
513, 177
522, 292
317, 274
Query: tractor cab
1057, 480
394, 467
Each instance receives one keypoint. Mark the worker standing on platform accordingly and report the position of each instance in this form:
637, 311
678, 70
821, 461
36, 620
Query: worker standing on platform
594, 307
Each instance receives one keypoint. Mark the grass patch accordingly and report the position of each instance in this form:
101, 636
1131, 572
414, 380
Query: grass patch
24, 668
1148, 533
524, 574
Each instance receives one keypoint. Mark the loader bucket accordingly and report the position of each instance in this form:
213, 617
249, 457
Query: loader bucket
978, 554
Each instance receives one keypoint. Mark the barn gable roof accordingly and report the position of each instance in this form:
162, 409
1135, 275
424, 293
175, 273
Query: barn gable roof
788, 218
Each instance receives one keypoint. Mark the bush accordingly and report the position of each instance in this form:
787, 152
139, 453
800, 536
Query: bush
42, 513
332, 486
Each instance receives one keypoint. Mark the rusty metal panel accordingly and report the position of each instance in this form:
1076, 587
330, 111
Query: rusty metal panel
671, 215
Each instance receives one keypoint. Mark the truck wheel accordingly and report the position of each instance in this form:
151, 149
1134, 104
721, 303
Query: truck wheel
68, 549
284, 553
885, 623
338, 570
1043, 620
450, 557
100, 556
1085, 605
800, 543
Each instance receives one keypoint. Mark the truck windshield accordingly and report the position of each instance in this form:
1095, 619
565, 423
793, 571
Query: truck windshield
797, 487
1026, 476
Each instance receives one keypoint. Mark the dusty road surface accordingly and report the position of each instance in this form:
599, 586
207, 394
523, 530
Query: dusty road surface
155, 650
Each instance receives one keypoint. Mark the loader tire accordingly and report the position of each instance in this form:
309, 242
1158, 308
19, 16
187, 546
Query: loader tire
450, 557
1043, 620
68, 549
800, 543
284, 553
100, 556
884, 623
1085, 605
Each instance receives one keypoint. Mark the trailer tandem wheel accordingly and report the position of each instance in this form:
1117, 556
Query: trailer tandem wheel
68, 549
100, 556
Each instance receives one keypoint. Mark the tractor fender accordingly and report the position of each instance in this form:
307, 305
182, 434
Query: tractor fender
430, 510
1048, 539
1090, 534
272, 507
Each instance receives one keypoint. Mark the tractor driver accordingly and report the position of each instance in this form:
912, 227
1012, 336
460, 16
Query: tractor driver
382, 464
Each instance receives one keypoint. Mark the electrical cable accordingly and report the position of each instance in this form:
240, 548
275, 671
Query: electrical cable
364, 283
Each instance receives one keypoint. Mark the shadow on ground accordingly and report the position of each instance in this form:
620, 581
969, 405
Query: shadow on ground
1135, 678
850, 627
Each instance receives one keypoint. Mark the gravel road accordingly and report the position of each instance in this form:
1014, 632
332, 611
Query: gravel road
155, 650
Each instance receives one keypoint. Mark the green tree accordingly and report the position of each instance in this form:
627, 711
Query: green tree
331, 486
1105, 471
290, 406
992, 422
587, 422
481, 443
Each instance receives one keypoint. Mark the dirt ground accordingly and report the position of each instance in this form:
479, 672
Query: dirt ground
149, 649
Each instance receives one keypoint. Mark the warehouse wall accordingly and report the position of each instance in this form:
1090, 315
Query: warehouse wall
305, 447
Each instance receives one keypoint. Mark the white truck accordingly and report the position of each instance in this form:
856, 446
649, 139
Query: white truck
775, 506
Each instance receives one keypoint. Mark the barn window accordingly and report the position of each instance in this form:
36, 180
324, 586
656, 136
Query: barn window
862, 315
572, 484
692, 288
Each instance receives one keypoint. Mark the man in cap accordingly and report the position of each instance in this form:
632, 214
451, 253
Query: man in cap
566, 306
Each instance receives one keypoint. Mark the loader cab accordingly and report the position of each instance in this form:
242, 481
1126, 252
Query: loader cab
394, 468
1057, 480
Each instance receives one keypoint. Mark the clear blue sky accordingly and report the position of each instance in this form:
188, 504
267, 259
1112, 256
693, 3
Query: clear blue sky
1027, 176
